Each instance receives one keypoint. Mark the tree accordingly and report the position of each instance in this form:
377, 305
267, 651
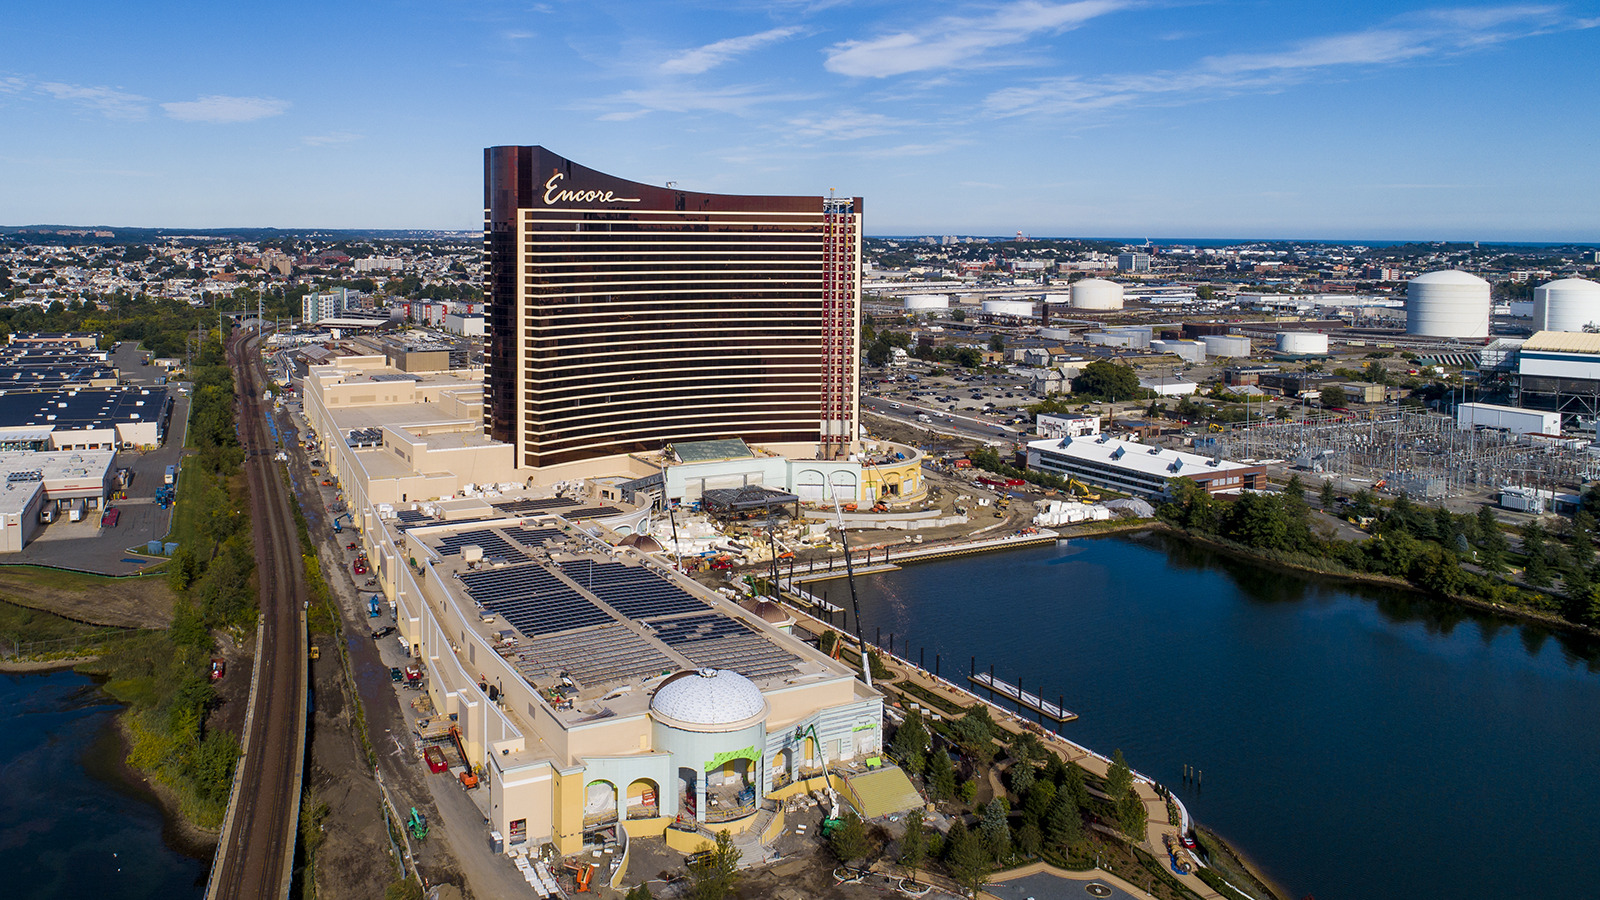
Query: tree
1029, 839
958, 315
914, 846
877, 354
714, 873
640, 892
1039, 800
996, 828
997, 343
1104, 380
1022, 777
910, 745
1119, 778
967, 858
974, 733
1328, 498
1064, 825
1074, 788
1333, 397
1131, 815
941, 775
849, 841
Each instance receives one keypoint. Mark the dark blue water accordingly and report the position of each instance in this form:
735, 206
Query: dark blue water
68, 827
1357, 743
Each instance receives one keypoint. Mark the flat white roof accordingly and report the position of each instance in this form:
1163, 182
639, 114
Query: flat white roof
1146, 459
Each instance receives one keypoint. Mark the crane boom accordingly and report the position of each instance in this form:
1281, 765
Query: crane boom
850, 576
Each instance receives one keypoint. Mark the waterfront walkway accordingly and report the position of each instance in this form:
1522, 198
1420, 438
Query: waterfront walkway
888, 557
1155, 805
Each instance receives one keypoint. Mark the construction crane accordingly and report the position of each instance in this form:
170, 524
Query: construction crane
850, 576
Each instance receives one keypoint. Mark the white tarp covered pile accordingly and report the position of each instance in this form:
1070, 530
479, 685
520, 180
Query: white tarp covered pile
1068, 512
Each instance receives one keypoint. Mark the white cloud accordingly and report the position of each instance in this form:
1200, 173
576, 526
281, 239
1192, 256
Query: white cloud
332, 137
1435, 34
113, 104
703, 59
737, 99
847, 125
221, 109
960, 41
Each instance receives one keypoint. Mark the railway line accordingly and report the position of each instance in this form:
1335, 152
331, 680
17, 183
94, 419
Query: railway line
255, 855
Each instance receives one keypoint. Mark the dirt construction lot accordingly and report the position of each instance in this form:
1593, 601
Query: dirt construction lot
133, 602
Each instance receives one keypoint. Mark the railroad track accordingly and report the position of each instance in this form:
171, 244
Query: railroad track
255, 856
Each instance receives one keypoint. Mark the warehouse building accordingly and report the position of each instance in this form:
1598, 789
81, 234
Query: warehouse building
1144, 470
88, 419
1559, 371
33, 482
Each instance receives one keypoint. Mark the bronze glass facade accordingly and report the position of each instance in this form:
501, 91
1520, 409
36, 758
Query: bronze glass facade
622, 316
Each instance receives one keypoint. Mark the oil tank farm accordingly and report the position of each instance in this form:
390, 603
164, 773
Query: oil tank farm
1019, 308
1570, 304
1302, 343
1096, 293
1448, 304
923, 302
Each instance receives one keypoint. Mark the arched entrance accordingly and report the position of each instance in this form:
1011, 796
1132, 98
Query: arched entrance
783, 767
688, 787
644, 799
599, 804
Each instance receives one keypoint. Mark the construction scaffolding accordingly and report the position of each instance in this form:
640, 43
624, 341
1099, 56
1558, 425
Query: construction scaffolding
1419, 454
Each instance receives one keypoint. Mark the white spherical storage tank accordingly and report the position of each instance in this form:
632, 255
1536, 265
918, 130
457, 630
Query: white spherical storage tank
928, 301
1449, 304
1008, 307
1302, 343
1096, 293
1566, 305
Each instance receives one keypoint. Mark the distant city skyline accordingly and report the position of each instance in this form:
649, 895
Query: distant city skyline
1380, 122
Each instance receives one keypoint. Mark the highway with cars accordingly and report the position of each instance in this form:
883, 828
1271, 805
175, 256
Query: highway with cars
255, 853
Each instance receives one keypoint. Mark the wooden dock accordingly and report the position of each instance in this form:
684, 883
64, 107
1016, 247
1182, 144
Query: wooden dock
1022, 698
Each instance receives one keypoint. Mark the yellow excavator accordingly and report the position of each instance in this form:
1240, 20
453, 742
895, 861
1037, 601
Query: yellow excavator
1081, 489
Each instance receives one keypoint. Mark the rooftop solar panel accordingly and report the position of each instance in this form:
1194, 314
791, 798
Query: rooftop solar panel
605, 655
523, 507
721, 642
635, 592
532, 599
534, 537
493, 545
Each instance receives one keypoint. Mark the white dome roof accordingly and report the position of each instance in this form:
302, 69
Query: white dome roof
1448, 276
1575, 285
709, 697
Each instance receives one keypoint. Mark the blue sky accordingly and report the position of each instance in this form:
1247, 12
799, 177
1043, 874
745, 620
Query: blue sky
1100, 117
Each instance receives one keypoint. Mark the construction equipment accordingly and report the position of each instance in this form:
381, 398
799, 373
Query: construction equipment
1081, 489
417, 825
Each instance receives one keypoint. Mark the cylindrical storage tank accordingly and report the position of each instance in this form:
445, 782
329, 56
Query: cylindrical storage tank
1096, 293
927, 301
1448, 304
1303, 343
1008, 307
1058, 299
1056, 334
1566, 305
1226, 345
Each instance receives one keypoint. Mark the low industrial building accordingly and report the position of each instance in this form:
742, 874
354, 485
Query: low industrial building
34, 482
1144, 470
85, 419
1559, 371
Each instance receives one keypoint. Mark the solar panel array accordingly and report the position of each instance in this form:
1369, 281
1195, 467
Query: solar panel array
524, 507
534, 537
533, 600
721, 642
635, 592
493, 544
603, 656
593, 512
413, 516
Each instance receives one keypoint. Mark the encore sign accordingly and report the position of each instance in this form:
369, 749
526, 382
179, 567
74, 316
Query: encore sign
554, 194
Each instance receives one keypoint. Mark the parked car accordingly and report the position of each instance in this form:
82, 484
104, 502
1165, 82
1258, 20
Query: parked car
382, 633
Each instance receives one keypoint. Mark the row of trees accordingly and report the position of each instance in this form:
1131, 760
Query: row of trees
165, 678
1442, 552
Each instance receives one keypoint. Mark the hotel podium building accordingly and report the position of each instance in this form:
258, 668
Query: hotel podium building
622, 317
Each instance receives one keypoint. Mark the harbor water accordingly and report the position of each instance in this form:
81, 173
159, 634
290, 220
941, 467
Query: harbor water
69, 824
1357, 742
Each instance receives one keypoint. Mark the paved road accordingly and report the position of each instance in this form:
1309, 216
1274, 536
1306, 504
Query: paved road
1045, 886
966, 426
256, 853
